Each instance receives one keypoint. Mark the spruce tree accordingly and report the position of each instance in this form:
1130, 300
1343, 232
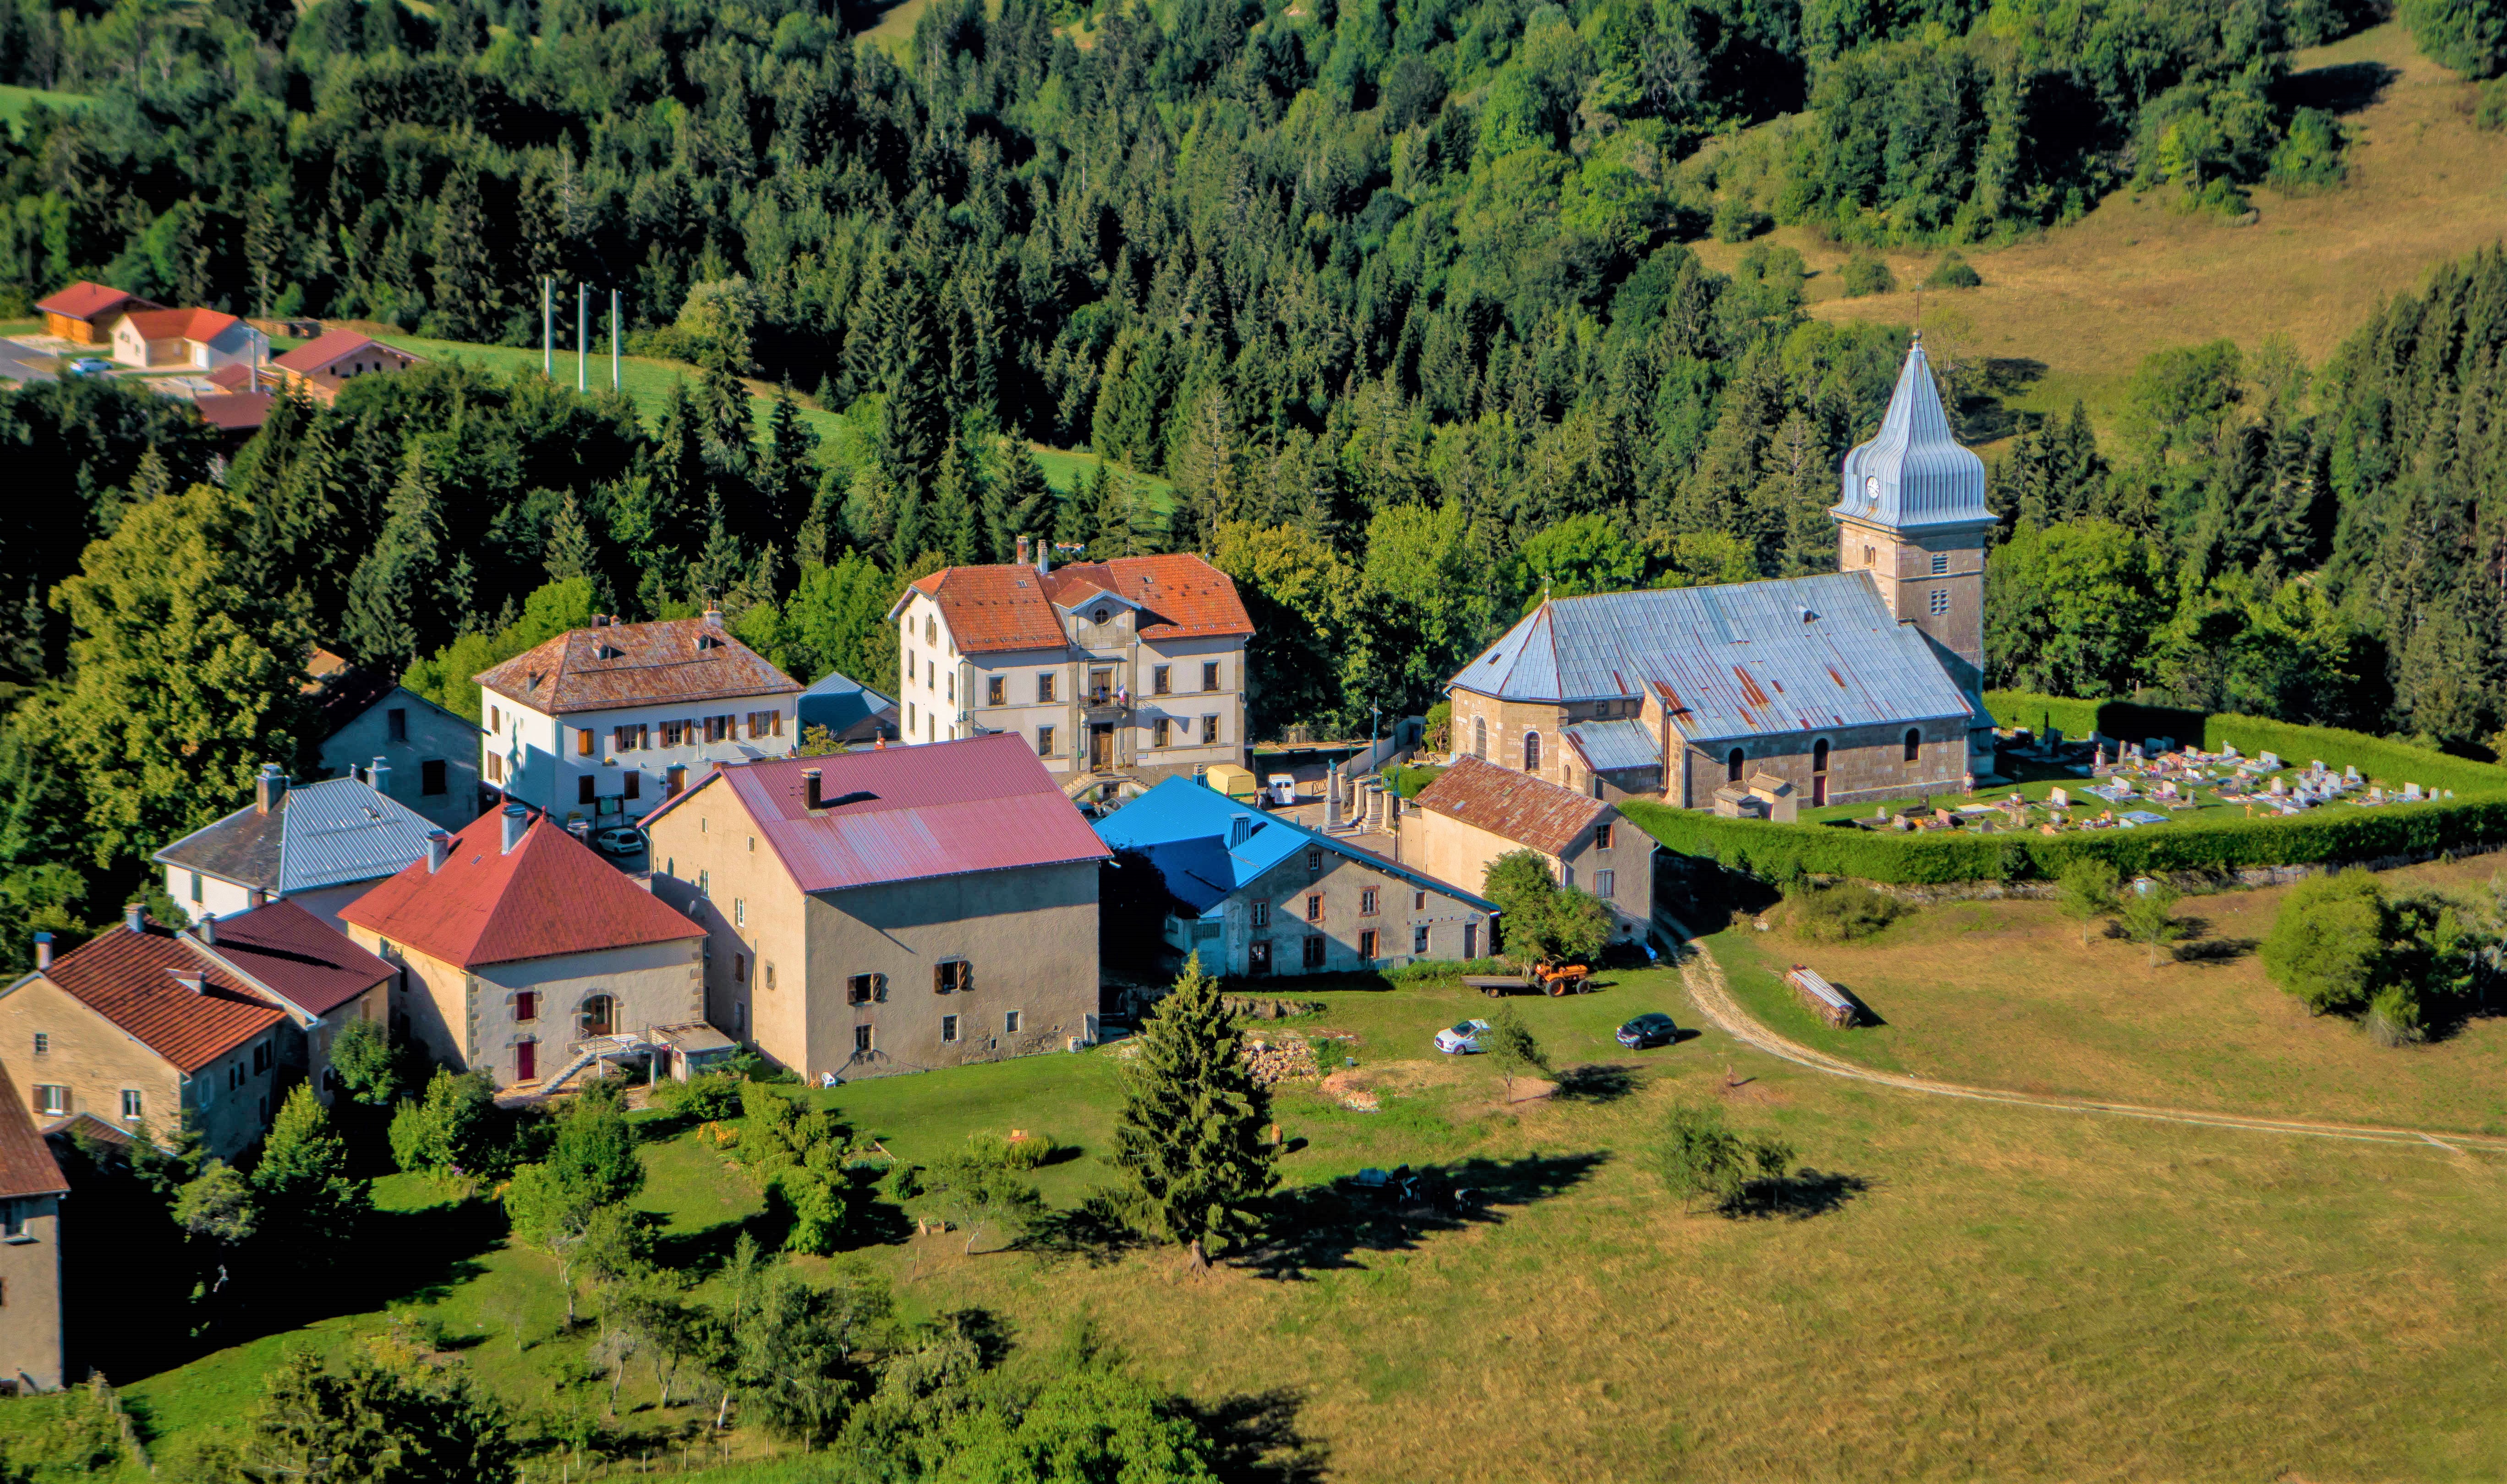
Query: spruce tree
570, 543
1075, 522
954, 526
1027, 501
787, 479
1190, 1133
392, 617
1117, 532
466, 302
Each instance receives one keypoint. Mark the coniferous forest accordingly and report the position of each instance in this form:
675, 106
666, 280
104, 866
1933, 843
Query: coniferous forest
1400, 299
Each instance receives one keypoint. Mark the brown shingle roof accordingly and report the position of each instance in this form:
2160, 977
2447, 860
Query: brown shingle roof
1515, 805
26, 1166
128, 978
550, 896
321, 352
994, 609
656, 664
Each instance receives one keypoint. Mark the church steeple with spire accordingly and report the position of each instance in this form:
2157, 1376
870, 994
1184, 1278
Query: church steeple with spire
1911, 513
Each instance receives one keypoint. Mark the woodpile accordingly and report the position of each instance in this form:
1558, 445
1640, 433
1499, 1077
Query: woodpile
1273, 1063
1266, 1008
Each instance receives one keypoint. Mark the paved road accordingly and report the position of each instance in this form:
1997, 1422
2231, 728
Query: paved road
19, 364
1703, 978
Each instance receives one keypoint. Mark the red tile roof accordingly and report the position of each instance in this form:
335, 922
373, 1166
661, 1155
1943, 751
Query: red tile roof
90, 301
656, 664
994, 609
1515, 805
181, 324
906, 814
128, 978
549, 896
332, 345
305, 960
26, 1166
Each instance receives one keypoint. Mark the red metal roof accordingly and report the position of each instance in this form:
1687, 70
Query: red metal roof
26, 1166
1515, 805
550, 896
999, 608
181, 324
87, 301
905, 813
656, 664
128, 978
306, 960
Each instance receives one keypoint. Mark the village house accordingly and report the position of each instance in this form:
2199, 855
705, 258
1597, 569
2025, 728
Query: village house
851, 712
525, 956
890, 910
1474, 813
84, 313
1117, 672
1853, 686
606, 722
321, 844
31, 1188
146, 1023
368, 722
329, 361
199, 339
1256, 894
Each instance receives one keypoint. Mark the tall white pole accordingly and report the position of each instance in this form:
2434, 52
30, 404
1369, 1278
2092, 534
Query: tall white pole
613, 339
582, 331
548, 333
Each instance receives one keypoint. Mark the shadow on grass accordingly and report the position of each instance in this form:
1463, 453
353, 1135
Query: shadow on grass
1796, 1197
2202, 947
2341, 90
1257, 1439
1094, 1232
1322, 1227
1597, 1082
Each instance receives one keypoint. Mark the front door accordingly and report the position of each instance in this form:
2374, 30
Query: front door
1470, 941
1257, 957
1100, 748
526, 1062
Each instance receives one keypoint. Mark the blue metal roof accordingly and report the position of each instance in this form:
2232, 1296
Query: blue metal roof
341, 830
1735, 660
1182, 826
839, 702
1914, 475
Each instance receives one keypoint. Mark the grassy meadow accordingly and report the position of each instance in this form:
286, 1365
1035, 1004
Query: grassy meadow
1961, 1289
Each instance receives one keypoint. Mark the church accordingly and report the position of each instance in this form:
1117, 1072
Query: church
1842, 688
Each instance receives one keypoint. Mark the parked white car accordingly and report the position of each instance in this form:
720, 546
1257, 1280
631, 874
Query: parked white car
1283, 789
1463, 1039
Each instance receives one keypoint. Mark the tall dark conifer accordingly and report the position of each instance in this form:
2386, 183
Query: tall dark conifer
1191, 1133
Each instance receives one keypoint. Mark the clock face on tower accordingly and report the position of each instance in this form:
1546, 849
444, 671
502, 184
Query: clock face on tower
1872, 488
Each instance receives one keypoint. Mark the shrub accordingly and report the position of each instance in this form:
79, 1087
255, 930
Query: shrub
2394, 1016
2149, 917
2309, 158
1702, 1159
1738, 221
1002, 1152
1953, 272
2086, 892
2490, 110
1865, 274
1838, 914
705, 1099
2327, 945
2468, 36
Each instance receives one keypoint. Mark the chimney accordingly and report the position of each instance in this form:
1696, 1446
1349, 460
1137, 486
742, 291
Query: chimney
135, 916
713, 617
380, 776
268, 787
439, 844
1240, 828
1023, 557
43, 950
1043, 555
206, 929
517, 820
810, 783
260, 896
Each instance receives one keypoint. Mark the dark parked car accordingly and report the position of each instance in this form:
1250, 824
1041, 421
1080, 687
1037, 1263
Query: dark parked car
1655, 1029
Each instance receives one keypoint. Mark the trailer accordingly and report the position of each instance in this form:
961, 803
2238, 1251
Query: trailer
1829, 1003
1496, 985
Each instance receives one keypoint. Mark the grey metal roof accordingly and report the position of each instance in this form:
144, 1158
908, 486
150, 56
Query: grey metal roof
839, 702
322, 834
1749, 659
1914, 475
1607, 746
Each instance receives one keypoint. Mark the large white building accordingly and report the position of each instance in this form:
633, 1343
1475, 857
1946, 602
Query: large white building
604, 723
1131, 668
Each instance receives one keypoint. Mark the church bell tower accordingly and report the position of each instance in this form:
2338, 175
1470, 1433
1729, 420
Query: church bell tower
1910, 512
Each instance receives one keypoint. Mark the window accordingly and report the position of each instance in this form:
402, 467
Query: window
196, 886
131, 1105
527, 1006
740, 912
1732, 767
583, 742
1819, 756
952, 976
1532, 753
1045, 688
495, 769
635, 789
13, 1226
765, 724
1314, 863
1314, 906
1314, 951
705, 885
1009, 1022
1941, 601
432, 779
1261, 914
862, 1040
930, 631
1158, 679
740, 969
396, 724
583, 789
859, 989
1367, 903
1210, 731
1479, 738
953, 685
997, 690
1605, 883
717, 729
627, 739
1210, 675
1045, 742
1367, 946
752, 844
1914, 743
261, 1059
1869, 558
52, 1101
1940, 563
1419, 938
674, 733
1160, 732
495, 719
43, 1043
948, 1027
770, 976
909, 718
1418, 901
1601, 837
931, 675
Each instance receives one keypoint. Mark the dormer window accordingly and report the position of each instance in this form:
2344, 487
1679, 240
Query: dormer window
1099, 617
707, 642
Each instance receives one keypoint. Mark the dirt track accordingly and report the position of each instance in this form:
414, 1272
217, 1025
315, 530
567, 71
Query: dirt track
1703, 978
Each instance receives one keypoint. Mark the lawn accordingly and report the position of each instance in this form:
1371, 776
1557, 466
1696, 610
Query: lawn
2074, 310
14, 101
1964, 1290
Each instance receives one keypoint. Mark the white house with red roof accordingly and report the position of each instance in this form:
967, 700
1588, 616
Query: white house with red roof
525, 956
201, 340
1124, 671
890, 910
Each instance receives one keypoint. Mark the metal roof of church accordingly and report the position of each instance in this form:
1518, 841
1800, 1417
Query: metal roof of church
1794, 654
1914, 475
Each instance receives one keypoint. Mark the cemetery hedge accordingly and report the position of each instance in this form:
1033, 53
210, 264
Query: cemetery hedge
2475, 820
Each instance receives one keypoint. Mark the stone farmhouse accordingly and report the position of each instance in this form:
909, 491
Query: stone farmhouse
1115, 673
1475, 811
889, 910
367, 721
31, 1188
1861, 684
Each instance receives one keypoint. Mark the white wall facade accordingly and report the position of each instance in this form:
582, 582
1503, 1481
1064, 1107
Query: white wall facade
556, 761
